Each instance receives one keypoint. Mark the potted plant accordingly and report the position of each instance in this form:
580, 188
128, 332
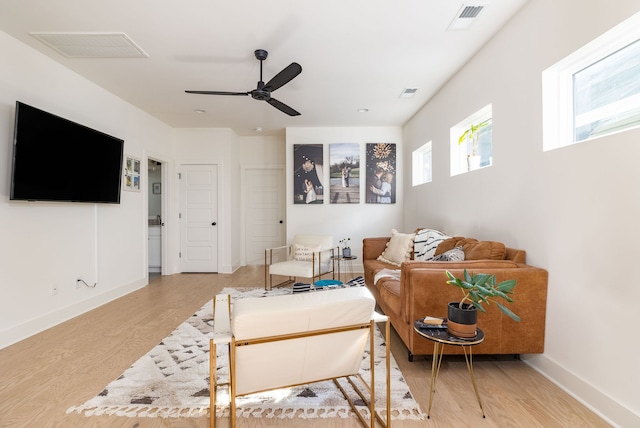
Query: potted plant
471, 134
346, 249
476, 289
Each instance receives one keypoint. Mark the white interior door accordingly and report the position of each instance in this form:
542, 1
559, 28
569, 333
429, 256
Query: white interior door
198, 218
264, 204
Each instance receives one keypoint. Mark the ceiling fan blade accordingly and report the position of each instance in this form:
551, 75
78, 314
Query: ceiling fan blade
284, 77
283, 107
216, 93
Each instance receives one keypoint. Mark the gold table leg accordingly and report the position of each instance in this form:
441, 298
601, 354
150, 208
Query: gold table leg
469, 360
436, 363
435, 370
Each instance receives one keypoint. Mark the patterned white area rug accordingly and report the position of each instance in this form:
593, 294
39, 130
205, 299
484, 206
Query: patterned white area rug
172, 381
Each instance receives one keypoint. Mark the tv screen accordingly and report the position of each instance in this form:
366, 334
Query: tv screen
55, 159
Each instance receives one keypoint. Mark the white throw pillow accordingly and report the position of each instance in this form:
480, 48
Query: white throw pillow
398, 249
304, 253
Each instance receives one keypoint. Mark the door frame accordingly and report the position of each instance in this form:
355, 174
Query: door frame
164, 212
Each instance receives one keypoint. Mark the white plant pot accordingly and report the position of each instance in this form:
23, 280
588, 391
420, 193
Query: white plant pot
473, 162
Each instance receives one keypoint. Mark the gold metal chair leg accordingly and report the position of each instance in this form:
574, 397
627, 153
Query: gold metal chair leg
371, 399
388, 352
212, 384
372, 367
232, 382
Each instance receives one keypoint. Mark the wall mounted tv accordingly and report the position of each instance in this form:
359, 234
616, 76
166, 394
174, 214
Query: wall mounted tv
55, 159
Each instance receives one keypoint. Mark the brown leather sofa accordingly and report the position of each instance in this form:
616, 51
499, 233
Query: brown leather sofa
422, 290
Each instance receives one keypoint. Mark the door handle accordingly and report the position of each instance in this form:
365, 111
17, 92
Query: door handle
214, 223
281, 222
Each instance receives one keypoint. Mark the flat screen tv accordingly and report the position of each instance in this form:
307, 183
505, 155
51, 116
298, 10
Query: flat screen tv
55, 159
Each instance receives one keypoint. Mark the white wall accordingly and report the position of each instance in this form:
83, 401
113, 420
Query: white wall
55, 243
575, 210
355, 221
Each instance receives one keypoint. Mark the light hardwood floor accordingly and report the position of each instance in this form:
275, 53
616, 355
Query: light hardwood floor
44, 375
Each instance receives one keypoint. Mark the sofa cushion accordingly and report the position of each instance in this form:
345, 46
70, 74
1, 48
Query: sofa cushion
398, 249
390, 300
474, 249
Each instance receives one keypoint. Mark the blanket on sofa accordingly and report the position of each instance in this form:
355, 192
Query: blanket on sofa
426, 242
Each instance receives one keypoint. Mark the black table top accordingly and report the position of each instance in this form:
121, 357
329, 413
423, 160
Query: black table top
439, 334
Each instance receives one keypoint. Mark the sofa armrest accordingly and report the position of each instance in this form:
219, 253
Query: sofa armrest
373, 247
426, 289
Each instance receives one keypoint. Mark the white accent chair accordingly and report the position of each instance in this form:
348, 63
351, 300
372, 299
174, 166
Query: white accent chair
297, 339
303, 263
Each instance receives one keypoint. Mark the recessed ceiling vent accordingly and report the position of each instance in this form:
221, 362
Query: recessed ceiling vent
408, 92
465, 17
92, 45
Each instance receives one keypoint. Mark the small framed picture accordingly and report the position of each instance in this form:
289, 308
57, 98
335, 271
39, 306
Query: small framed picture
132, 174
156, 188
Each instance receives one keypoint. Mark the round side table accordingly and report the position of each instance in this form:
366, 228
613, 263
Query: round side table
348, 268
441, 338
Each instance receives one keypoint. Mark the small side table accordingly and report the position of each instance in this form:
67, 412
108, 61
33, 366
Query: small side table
348, 262
440, 338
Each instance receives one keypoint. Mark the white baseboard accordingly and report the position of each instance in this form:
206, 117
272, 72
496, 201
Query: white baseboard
604, 406
46, 321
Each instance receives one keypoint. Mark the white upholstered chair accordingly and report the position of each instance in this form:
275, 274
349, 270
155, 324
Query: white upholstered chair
297, 339
308, 256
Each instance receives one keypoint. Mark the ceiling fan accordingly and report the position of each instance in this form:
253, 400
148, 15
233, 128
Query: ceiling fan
263, 91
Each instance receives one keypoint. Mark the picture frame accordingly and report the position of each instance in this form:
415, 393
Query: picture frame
157, 189
381, 173
132, 174
344, 173
308, 174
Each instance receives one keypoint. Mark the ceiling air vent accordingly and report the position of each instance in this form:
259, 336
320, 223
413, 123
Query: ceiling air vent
465, 17
92, 45
408, 92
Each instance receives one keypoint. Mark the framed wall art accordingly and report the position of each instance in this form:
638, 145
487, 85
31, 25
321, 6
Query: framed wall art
344, 172
381, 173
132, 174
308, 187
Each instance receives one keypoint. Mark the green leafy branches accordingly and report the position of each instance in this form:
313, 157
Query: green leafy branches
482, 288
472, 131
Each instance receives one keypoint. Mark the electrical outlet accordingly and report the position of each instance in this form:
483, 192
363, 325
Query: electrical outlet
54, 289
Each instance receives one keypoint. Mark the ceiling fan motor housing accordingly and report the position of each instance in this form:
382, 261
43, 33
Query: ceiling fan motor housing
260, 94
261, 54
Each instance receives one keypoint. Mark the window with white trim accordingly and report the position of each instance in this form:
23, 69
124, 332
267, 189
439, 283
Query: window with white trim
595, 91
422, 163
471, 142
